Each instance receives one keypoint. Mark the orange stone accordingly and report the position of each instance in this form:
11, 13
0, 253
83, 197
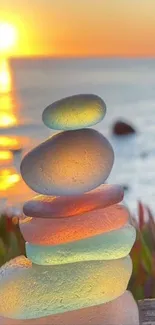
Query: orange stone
57, 231
42, 206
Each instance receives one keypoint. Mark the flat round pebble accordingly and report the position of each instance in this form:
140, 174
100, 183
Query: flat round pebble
69, 163
108, 246
57, 231
42, 206
40, 291
122, 310
74, 112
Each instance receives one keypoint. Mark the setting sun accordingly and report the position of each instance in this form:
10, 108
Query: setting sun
51, 28
8, 36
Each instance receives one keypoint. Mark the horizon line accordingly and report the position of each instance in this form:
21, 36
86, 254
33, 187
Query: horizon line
46, 56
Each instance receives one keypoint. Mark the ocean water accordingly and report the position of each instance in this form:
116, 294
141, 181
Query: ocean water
128, 89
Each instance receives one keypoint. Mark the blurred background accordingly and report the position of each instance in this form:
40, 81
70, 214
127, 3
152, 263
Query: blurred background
49, 50
52, 49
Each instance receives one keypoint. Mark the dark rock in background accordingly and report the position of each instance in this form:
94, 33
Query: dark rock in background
122, 128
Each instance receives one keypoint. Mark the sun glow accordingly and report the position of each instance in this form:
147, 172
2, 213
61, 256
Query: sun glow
8, 37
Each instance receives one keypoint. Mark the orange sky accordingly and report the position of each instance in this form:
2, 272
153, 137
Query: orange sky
81, 27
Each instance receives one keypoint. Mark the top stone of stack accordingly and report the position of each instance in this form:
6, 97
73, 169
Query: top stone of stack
74, 112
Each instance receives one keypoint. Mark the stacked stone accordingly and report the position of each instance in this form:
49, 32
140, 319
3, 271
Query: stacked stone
77, 235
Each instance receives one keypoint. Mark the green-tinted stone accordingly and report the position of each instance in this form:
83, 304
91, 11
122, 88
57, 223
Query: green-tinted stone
74, 112
111, 245
40, 291
115, 312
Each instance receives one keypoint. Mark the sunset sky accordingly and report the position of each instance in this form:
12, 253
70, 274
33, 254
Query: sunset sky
79, 27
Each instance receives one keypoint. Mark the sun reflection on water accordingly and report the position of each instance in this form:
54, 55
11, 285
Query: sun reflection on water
8, 178
13, 190
5, 77
6, 157
8, 100
12, 143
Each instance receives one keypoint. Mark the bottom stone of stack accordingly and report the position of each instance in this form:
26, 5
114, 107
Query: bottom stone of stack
122, 310
31, 291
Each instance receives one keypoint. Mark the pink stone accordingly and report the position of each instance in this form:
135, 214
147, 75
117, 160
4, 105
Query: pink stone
66, 206
121, 311
41, 231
